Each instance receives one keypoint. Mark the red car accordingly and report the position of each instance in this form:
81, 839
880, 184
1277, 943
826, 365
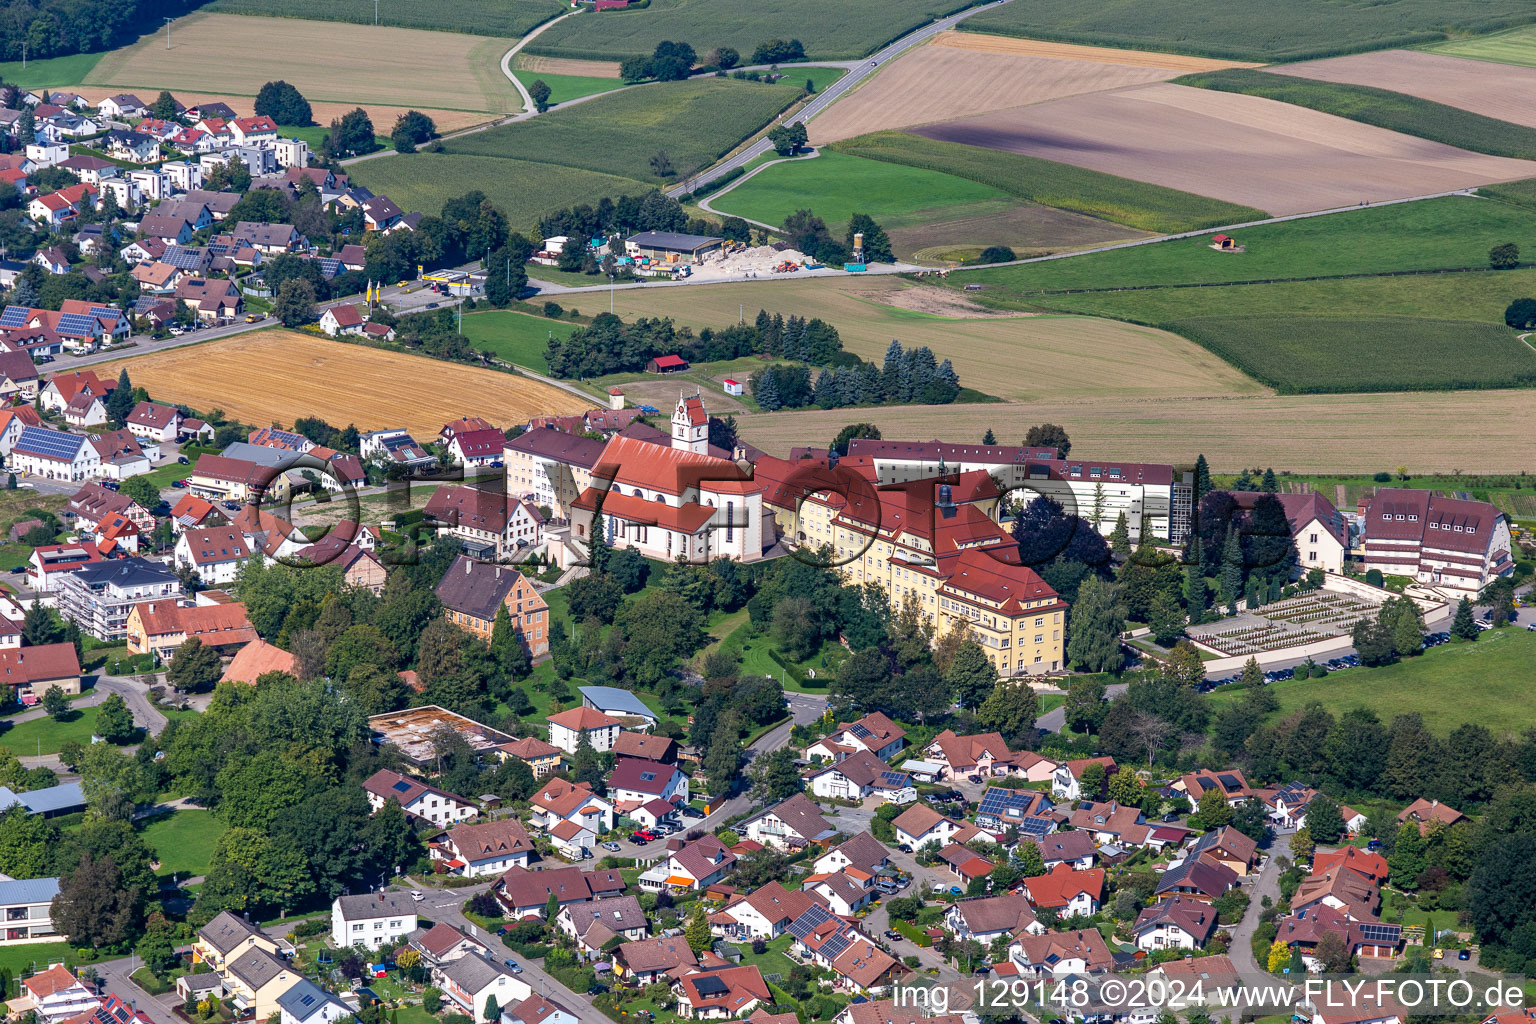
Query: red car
645, 835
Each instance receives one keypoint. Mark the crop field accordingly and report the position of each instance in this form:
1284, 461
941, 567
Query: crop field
523, 190
951, 78
1520, 193
694, 122
836, 186
1515, 46
1136, 204
477, 17
1500, 91
1298, 354
565, 66
436, 70
516, 337
53, 73
844, 31
1266, 32
274, 376
1027, 228
1066, 357
1397, 111
1243, 149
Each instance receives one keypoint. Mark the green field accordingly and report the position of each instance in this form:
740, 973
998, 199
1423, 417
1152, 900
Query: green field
694, 122
516, 337
315, 134
1381, 107
183, 840
569, 87
1516, 46
1133, 203
829, 32
1264, 32
1484, 683
479, 17
521, 189
836, 187
1521, 193
23, 740
1300, 354
53, 73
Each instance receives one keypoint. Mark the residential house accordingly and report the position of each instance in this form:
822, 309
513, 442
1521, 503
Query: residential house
491, 524
861, 967
215, 553
429, 803
477, 447
92, 503
443, 942
595, 924
566, 728
1341, 889
133, 146
1175, 923
472, 982
550, 468
372, 919
1366, 938
1230, 784
160, 627
689, 865
791, 824
212, 299
862, 851
1074, 893
18, 377
37, 667
1001, 808
984, 754
542, 757
359, 567
526, 893
874, 733
220, 478
155, 421
308, 1003
562, 800
12, 422
1081, 951
55, 995
764, 913
725, 993
1067, 778
643, 961
62, 388
920, 825
254, 131
645, 746
396, 446
167, 228
861, 775
1197, 879
964, 863
122, 106
51, 562
1429, 812
27, 906
1112, 823
988, 918
472, 592
255, 979
269, 239
381, 214
53, 210
634, 782
844, 892
538, 1009
85, 410
345, 318
99, 596
1228, 847
228, 935
1367, 863
489, 848
1320, 533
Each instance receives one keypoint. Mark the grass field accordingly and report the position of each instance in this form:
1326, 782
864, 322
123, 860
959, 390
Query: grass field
285, 374
1515, 46
1450, 685
841, 32
836, 186
76, 726
53, 73
426, 70
1211, 28
1381, 107
1133, 203
694, 122
1521, 193
1299, 354
522, 189
479, 17
569, 87
183, 840
516, 337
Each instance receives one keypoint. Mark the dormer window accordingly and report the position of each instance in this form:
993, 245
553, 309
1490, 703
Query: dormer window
1399, 517
1434, 526
1413, 518
1471, 529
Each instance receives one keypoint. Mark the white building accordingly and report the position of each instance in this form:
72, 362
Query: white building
27, 906
372, 919
1457, 545
55, 455
308, 1003
440, 807
567, 727
216, 553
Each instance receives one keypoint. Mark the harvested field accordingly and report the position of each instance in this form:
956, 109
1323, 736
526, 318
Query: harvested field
1243, 149
479, 17
1501, 91
1071, 51
941, 82
1026, 228
1020, 358
383, 115
566, 66
1300, 433
274, 376
439, 70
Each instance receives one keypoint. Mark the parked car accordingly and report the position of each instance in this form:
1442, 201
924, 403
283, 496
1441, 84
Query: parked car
893, 935
417, 895
904, 847
611, 846
253, 318
174, 483
1465, 954
18, 569
955, 890
182, 460
644, 834
690, 812
513, 966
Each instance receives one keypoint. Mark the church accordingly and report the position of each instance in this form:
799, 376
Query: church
677, 501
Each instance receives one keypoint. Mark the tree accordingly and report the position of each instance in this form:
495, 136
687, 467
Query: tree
774, 777
852, 432
1049, 435
1325, 819
1214, 810
1279, 956
1504, 257
995, 254
1332, 953
120, 400
295, 303
142, 490
539, 92
1094, 626
1165, 618
1120, 537
877, 244
94, 908
352, 134
1012, 710
1521, 314
284, 104
661, 164
196, 668
725, 58
1126, 787
54, 701
1093, 780
1302, 844
114, 722
971, 676
788, 138
412, 128
586, 766
1465, 626
164, 107
493, 1009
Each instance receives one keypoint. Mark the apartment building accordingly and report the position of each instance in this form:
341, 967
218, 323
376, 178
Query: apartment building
1452, 543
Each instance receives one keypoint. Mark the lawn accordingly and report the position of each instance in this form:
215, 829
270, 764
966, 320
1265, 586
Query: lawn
53, 73
515, 337
693, 122
836, 32
836, 186
183, 840
1299, 354
772, 960
1484, 683
1269, 32
1135, 204
1516, 46
569, 87
1381, 107
23, 740
479, 17
315, 134
756, 659
37, 956
523, 190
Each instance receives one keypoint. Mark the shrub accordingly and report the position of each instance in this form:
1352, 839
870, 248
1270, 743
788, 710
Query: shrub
432, 1000
553, 310
1374, 577
996, 254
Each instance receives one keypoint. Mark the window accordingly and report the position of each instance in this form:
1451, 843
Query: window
1312, 539
1413, 518
1471, 529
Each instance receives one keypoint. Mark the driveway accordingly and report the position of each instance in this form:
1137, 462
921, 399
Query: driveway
1267, 884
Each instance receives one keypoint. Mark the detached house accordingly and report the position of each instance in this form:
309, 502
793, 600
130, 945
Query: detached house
789, 825
491, 524
646, 960
634, 782
372, 919
255, 979
526, 893
227, 936
593, 925
920, 825
1176, 923
1060, 953
472, 592
1230, 784
1196, 879
438, 806
874, 733
566, 729
155, 421
477, 447
1067, 778
861, 775
216, 553
987, 918
563, 800
764, 913
695, 865
489, 848
1228, 847
1426, 813
473, 981
1074, 893
726, 993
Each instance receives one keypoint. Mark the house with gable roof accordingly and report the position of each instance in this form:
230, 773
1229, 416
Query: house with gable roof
725, 993
862, 851
1457, 545
562, 800
764, 913
1055, 954
1074, 893
695, 865
438, 806
874, 733
861, 775
594, 924
487, 848
791, 824
987, 918
472, 592
1176, 923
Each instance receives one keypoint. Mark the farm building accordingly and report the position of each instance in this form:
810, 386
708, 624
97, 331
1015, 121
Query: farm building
667, 364
670, 246
733, 387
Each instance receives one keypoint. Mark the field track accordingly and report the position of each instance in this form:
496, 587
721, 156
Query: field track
274, 376
1242, 149
1502, 91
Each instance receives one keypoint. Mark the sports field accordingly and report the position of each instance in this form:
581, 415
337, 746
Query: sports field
1259, 32
521, 189
1515, 46
843, 31
479, 17
961, 74
390, 66
1243, 149
694, 122
1483, 683
274, 376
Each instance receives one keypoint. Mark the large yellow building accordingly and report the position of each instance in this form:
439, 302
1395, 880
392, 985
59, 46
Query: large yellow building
935, 543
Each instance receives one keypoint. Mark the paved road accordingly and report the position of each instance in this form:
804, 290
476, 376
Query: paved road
832, 93
114, 978
1267, 884
144, 344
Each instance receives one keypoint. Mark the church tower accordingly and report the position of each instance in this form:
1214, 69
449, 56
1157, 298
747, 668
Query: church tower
690, 424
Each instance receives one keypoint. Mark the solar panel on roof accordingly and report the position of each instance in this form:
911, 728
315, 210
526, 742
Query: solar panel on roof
835, 946
183, 258
15, 316
1036, 826
711, 987
813, 918
1381, 932
49, 442
329, 267
76, 323
893, 778
401, 787
861, 731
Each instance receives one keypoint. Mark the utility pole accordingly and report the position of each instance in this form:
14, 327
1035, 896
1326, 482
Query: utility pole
375, 12
610, 293
168, 32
